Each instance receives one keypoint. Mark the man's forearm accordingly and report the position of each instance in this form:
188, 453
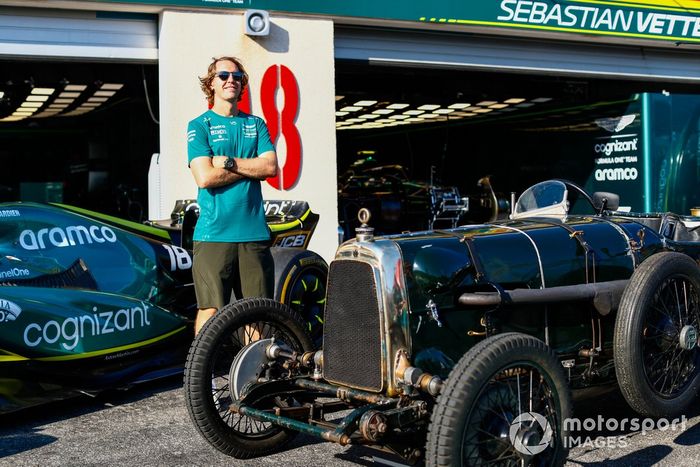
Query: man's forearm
218, 177
259, 167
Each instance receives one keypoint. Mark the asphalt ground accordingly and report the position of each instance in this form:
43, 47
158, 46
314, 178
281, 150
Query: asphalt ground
149, 426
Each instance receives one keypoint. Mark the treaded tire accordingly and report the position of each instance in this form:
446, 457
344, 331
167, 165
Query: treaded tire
638, 335
211, 354
300, 282
472, 381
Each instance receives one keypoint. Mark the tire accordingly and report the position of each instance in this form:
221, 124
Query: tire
463, 429
659, 308
207, 395
300, 282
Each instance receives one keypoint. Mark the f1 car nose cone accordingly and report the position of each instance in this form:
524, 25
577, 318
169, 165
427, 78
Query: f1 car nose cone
688, 337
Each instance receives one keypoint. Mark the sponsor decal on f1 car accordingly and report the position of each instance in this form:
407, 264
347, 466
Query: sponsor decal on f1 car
70, 236
9, 311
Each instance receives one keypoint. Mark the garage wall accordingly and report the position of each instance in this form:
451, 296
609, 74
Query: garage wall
68, 34
432, 50
188, 41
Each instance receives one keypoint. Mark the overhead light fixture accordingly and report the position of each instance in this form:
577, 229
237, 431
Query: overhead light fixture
337, 98
104, 93
498, 106
365, 103
541, 100
487, 103
37, 98
341, 114
34, 105
399, 117
62, 101
257, 22
459, 105
109, 87
383, 111
69, 94
483, 111
397, 106
75, 87
514, 100
428, 107
525, 105
350, 108
44, 91
444, 111
369, 116
414, 112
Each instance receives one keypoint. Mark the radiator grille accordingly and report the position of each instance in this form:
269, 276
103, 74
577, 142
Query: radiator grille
352, 348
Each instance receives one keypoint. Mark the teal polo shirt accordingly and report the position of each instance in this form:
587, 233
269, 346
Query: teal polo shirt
231, 213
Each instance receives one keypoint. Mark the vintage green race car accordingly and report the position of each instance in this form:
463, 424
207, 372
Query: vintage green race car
90, 302
463, 346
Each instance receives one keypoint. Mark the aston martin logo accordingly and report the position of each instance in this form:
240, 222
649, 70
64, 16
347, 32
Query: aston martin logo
9, 311
615, 124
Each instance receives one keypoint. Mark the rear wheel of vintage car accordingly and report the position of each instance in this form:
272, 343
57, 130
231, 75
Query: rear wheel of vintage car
206, 382
503, 404
300, 282
657, 360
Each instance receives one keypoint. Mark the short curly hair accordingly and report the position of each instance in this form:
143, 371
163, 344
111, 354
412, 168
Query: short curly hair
205, 81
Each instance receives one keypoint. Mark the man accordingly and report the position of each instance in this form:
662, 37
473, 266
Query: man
229, 153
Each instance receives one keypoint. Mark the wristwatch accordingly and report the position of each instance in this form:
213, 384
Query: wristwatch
230, 164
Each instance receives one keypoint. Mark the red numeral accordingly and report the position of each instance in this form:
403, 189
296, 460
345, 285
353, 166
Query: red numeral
279, 76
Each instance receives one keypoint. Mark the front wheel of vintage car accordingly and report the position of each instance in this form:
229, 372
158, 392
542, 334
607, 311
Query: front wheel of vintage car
207, 392
504, 403
657, 360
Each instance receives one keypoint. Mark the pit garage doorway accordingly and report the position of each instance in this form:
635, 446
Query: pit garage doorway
467, 116
78, 105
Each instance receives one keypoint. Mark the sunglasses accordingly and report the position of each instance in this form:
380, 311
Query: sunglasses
224, 75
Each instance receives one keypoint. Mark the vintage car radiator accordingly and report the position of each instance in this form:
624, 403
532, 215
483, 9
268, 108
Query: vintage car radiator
352, 346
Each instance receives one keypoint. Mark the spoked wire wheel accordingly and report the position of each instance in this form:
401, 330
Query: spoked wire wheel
208, 392
504, 404
657, 360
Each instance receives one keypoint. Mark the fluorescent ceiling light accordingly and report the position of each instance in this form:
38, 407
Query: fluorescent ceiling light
514, 100
112, 86
97, 99
69, 94
525, 105
383, 111
30, 105
414, 120
487, 103
384, 120
444, 111
62, 101
369, 116
498, 106
433, 115
459, 106
44, 91
340, 114
21, 112
428, 107
483, 111
104, 93
337, 98
398, 117
365, 103
540, 100
75, 87
397, 106
31, 98
414, 112
354, 120
350, 108
2, 93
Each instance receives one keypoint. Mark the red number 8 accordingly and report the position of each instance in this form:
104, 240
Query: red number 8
288, 176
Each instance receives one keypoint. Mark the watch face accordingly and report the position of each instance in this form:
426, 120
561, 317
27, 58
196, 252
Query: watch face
229, 163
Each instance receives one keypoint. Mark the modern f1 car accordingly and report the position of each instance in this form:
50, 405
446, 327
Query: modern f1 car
463, 346
89, 301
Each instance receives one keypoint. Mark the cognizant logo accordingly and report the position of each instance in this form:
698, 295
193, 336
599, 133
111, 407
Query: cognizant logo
70, 331
616, 146
70, 236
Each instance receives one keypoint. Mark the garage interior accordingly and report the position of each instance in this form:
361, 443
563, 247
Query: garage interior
78, 133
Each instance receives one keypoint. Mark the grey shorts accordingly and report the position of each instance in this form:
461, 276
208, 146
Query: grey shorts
247, 269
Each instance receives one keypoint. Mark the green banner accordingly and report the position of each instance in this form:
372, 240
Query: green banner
677, 20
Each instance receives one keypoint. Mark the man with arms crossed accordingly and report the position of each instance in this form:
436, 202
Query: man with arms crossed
229, 152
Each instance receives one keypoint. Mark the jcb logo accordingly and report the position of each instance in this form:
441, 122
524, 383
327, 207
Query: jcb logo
292, 241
